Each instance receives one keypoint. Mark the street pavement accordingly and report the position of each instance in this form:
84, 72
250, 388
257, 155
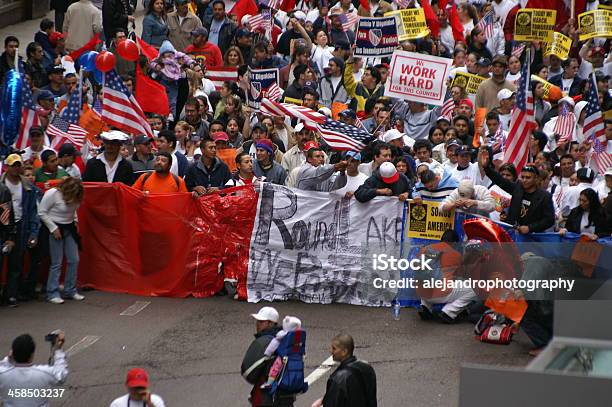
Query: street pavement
193, 348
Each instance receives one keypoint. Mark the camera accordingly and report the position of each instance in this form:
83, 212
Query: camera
195, 138
51, 337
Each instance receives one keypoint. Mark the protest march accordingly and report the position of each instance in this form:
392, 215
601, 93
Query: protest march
267, 151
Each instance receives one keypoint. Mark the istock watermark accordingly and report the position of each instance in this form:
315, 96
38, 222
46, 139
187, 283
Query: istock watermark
385, 262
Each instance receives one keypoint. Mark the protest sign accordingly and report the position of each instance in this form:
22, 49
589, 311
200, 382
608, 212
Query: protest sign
376, 37
534, 24
317, 247
596, 23
418, 77
262, 82
560, 46
545, 84
468, 81
411, 23
428, 221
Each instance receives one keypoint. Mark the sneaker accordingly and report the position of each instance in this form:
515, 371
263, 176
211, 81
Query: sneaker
56, 300
12, 302
445, 318
76, 297
425, 313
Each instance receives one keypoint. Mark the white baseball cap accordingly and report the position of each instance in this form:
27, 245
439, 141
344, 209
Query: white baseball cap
114, 135
388, 173
608, 171
391, 135
504, 94
266, 314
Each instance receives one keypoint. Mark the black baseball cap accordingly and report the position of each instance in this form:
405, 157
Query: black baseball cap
67, 149
141, 139
463, 150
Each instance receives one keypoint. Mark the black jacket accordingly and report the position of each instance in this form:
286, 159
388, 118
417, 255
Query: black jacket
114, 16
255, 367
575, 87
95, 171
575, 217
37, 74
198, 175
526, 209
353, 384
8, 229
367, 191
226, 33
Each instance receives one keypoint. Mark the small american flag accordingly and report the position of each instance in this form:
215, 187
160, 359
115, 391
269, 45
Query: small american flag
29, 118
64, 127
274, 92
522, 121
275, 4
342, 136
218, 75
517, 50
348, 21
565, 124
402, 3
120, 109
498, 139
261, 21
5, 217
594, 130
487, 24
448, 108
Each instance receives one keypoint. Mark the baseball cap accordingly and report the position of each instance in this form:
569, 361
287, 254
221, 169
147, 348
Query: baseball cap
141, 139
265, 144
55, 69
309, 145
586, 173
500, 59
391, 135
504, 94
55, 36
299, 127
601, 77
67, 149
467, 102
598, 50
484, 62
200, 31
220, 136
348, 113
568, 99
463, 150
299, 15
242, 32
454, 143
114, 135
137, 377
388, 173
443, 119
266, 314
12, 159
356, 155
36, 130
608, 171
45, 95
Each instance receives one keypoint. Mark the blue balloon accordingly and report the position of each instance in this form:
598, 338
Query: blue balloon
10, 109
88, 61
98, 76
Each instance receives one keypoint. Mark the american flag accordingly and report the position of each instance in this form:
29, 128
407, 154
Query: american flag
521, 123
497, 140
64, 127
447, 109
308, 116
29, 118
402, 3
218, 75
261, 21
5, 217
348, 21
275, 4
120, 109
517, 50
565, 124
487, 24
274, 92
594, 130
342, 136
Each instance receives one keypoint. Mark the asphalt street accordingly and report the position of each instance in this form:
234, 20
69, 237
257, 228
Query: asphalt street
193, 348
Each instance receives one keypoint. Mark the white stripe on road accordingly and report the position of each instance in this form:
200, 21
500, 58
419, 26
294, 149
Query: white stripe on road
320, 371
135, 308
83, 344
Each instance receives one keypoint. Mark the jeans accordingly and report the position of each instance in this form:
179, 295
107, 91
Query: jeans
67, 246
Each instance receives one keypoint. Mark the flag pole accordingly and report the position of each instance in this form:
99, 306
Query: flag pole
80, 90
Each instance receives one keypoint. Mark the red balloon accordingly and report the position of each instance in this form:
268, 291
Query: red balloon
128, 50
105, 61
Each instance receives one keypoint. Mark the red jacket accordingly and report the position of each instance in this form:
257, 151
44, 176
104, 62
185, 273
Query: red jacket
209, 54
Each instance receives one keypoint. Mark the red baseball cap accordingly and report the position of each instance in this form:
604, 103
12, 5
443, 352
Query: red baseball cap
137, 377
310, 145
466, 102
220, 136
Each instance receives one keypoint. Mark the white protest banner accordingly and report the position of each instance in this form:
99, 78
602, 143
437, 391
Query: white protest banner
418, 77
316, 247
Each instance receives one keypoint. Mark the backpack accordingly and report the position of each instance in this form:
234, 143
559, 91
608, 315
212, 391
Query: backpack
174, 177
292, 349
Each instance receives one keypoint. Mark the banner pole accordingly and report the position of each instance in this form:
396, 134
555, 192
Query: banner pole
403, 229
573, 10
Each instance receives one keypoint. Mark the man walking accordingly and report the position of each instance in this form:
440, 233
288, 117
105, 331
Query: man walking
161, 181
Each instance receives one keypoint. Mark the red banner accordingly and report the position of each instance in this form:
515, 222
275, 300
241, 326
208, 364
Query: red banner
164, 245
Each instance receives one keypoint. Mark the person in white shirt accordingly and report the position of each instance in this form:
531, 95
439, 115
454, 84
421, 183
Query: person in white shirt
570, 198
66, 156
382, 153
57, 211
139, 395
423, 151
466, 169
354, 178
36, 147
18, 372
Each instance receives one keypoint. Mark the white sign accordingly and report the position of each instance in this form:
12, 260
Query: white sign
418, 77
318, 248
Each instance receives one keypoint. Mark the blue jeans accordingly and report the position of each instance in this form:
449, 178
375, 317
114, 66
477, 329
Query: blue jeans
57, 249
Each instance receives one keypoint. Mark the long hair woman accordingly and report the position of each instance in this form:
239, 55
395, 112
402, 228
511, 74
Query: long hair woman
233, 57
587, 218
58, 211
154, 24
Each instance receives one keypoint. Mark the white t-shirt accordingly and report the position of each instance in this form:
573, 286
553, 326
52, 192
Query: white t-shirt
472, 172
504, 121
16, 194
584, 222
567, 84
352, 183
123, 402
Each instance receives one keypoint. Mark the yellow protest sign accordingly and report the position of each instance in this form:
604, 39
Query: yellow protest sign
428, 221
545, 84
560, 46
293, 101
605, 7
467, 81
534, 24
596, 23
411, 23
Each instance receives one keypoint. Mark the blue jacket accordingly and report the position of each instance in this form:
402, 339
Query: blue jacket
446, 185
30, 222
575, 87
183, 163
198, 175
154, 30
